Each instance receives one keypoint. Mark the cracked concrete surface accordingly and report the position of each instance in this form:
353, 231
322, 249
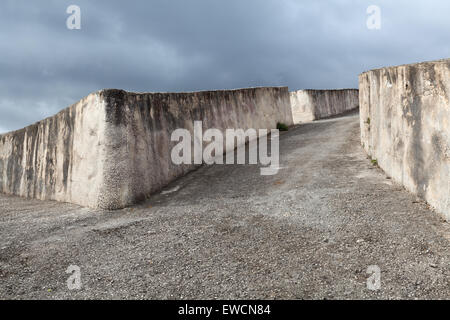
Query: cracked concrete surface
225, 232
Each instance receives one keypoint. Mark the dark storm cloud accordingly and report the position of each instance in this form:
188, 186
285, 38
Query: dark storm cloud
185, 45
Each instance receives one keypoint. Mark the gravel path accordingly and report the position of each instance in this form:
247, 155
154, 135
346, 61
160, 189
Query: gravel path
227, 232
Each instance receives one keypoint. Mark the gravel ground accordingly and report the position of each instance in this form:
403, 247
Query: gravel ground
226, 232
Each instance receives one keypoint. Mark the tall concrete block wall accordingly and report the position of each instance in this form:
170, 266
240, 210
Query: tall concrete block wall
113, 148
310, 105
58, 158
405, 126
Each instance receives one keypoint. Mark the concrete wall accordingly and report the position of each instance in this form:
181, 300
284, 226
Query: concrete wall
405, 126
309, 105
56, 158
113, 148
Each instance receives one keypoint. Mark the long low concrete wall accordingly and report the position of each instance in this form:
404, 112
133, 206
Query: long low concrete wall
309, 105
405, 126
113, 148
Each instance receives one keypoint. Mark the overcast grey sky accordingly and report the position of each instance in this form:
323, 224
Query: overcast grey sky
187, 45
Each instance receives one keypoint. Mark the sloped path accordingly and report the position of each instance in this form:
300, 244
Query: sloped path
227, 232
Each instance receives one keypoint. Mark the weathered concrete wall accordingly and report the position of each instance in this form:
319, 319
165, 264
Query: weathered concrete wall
405, 126
139, 127
309, 105
58, 158
113, 148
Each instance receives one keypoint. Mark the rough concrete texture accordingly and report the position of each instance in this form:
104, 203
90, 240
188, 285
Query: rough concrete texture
310, 105
226, 232
113, 148
405, 127
59, 158
140, 126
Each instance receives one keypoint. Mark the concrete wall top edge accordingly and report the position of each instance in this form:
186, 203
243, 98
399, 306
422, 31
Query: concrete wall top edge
425, 63
324, 90
115, 91
19, 131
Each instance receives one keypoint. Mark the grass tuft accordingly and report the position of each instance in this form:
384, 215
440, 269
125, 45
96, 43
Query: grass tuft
282, 127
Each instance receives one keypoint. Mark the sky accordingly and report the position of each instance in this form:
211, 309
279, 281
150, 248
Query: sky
190, 45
